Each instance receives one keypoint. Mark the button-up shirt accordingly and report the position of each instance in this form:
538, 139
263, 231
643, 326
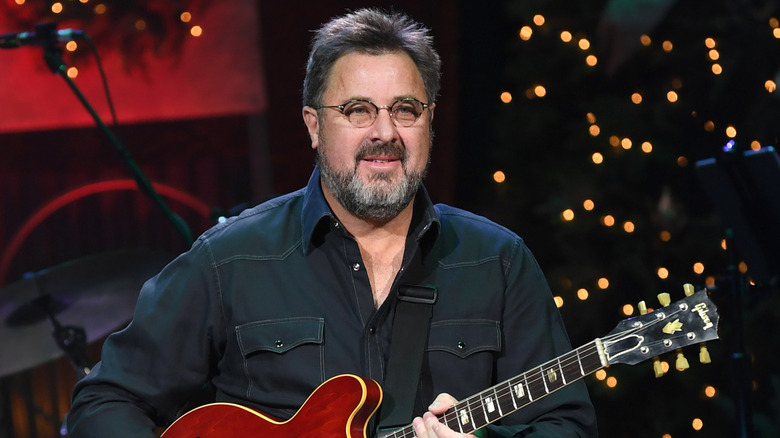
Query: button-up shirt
269, 304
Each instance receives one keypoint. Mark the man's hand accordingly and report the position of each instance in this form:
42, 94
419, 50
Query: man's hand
429, 426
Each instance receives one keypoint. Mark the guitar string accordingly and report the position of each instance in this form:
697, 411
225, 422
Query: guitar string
503, 390
534, 384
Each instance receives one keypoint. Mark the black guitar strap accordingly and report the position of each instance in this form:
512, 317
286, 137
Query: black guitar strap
413, 309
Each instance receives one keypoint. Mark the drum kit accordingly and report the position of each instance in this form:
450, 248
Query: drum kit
60, 310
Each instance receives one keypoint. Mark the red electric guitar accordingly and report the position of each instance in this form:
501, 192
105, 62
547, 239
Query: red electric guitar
342, 406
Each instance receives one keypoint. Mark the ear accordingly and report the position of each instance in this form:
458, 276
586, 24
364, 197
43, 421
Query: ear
430, 109
312, 121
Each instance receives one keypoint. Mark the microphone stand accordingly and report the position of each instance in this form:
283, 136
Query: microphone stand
53, 57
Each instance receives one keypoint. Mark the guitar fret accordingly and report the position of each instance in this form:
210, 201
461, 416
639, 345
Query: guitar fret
563, 375
530, 395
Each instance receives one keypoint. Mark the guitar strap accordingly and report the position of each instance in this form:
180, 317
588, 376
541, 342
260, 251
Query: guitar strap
413, 308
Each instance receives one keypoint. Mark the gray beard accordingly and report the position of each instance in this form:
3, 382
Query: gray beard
379, 200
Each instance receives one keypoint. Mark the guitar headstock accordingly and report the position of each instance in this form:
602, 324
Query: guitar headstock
691, 320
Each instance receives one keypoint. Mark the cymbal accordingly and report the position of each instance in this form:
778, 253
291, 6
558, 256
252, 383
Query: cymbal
95, 293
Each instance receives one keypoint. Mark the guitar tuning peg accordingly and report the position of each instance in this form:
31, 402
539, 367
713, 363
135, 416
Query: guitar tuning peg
657, 368
704, 355
664, 299
682, 363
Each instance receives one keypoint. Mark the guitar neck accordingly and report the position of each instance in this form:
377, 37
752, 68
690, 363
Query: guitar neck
507, 397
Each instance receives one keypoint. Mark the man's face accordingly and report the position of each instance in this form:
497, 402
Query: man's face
374, 171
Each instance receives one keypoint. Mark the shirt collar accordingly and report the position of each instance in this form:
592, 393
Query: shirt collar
316, 211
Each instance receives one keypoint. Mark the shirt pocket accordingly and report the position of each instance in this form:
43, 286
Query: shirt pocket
466, 348
284, 357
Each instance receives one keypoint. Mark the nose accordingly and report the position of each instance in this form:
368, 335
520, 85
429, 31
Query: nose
384, 128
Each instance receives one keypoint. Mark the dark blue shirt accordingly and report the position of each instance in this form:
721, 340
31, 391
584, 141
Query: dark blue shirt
268, 305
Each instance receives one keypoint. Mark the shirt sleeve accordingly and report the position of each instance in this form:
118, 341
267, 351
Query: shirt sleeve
149, 370
534, 333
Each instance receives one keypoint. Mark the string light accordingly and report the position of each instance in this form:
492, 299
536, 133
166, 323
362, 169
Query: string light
506, 97
597, 158
582, 294
525, 33
588, 204
628, 309
538, 19
663, 273
647, 147
196, 31
697, 424
566, 36
558, 301
568, 215
603, 283
709, 391
499, 176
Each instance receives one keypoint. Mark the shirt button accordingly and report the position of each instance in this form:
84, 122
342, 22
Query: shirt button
461, 345
279, 343
371, 330
356, 267
336, 224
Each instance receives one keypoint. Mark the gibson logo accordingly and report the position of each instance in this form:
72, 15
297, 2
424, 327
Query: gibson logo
702, 310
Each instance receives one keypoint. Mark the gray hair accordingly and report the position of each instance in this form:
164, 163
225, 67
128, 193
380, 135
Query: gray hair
374, 32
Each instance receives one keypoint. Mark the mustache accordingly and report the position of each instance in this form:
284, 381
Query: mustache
388, 149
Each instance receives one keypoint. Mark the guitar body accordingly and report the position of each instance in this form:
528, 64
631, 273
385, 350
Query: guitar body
339, 408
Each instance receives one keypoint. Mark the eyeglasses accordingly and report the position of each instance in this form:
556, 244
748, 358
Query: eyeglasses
361, 113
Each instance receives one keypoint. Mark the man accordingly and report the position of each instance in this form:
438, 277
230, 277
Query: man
270, 304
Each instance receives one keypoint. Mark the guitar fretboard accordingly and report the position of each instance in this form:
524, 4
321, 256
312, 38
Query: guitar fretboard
496, 402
